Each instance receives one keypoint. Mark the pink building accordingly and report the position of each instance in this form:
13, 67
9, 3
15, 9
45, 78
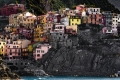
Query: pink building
13, 51
95, 19
104, 30
28, 33
40, 51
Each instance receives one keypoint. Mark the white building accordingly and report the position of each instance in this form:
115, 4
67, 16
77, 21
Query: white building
115, 21
58, 28
93, 10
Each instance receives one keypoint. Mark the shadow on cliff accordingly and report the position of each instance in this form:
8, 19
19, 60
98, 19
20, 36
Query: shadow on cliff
95, 55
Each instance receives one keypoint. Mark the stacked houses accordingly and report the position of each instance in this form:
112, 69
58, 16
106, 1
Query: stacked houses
7, 10
28, 35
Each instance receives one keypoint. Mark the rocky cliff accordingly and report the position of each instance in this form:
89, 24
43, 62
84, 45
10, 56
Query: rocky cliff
95, 55
6, 73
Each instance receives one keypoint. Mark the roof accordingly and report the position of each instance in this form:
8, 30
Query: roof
34, 43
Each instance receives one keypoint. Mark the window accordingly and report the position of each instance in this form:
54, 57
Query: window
38, 51
13, 57
60, 27
14, 46
38, 55
10, 50
42, 51
10, 53
18, 53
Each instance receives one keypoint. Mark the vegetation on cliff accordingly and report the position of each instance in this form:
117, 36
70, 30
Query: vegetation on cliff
42, 6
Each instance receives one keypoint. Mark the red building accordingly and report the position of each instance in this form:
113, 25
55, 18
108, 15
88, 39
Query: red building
7, 10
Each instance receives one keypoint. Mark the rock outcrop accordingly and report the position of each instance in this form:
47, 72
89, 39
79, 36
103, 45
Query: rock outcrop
96, 55
6, 73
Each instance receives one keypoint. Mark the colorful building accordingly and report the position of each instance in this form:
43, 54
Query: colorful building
58, 28
40, 50
2, 47
115, 20
13, 51
27, 19
107, 18
8, 28
74, 27
95, 19
80, 7
48, 27
38, 32
43, 19
93, 10
7, 10
74, 20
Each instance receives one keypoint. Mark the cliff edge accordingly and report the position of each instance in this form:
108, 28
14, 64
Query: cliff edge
5, 72
96, 54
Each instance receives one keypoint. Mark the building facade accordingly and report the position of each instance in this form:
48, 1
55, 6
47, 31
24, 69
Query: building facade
74, 20
41, 50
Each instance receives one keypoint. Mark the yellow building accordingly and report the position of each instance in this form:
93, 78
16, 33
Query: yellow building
27, 19
2, 47
30, 47
38, 33
43, 19
14, 29
84, 19
74, 20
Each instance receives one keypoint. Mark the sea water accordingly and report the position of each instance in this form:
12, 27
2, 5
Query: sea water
68, 78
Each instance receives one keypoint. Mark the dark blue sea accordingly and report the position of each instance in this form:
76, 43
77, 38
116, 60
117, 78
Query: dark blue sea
69, 78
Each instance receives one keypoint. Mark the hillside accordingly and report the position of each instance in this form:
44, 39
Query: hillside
41, 6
